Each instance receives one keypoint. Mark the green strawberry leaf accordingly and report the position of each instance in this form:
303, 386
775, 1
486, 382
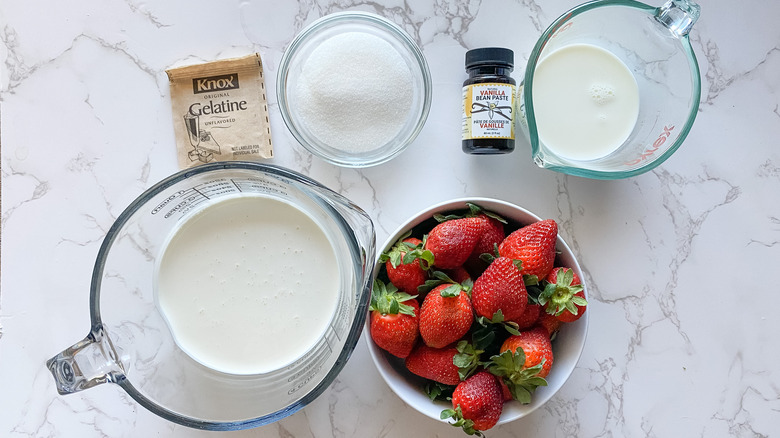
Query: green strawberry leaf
483, 337
444, 218
386, 300
522, 382
560, 296
487, 257
578, 300
438, 391
442, 277
475, 209
467, 359
533, 294
457, 415
452, 290
530, 280
429, 285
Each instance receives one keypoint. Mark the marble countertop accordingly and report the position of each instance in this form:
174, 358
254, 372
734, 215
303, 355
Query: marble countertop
679, 261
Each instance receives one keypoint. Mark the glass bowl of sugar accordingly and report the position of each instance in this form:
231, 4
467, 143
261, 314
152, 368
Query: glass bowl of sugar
354, 89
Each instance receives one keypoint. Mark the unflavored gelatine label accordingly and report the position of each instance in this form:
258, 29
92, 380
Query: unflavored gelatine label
488, 111
220, 111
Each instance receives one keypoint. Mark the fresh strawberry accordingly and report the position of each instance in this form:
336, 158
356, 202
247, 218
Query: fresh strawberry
394, 319
490, 237
506, 393
452, 241
550, 323
529, 317
564, 295
458, 275
500, 288
406, 273
518, 378
477, 403
536, 345
445, 315
434, 364
534, 245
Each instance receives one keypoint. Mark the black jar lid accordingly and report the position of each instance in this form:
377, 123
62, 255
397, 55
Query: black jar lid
490, 56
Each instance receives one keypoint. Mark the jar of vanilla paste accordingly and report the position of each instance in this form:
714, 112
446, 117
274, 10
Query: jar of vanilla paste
489, 102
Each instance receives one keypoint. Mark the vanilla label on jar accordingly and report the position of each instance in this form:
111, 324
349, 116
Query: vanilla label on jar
488, 111
220, 111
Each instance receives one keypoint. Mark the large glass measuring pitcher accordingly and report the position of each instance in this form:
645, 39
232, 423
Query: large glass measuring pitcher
653, 44
130, 343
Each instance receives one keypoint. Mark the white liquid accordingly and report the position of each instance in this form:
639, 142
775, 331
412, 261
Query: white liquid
586, 102
248, 285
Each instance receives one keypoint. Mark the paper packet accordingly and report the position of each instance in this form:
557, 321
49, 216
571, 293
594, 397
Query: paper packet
220, 112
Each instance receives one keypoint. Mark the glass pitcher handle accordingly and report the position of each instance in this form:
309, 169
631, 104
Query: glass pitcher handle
88, 363
678, 16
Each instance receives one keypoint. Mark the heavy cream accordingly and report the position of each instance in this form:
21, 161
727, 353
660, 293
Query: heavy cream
248, 284
586, 102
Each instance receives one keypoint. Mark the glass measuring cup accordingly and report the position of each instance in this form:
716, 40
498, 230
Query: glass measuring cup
130, 344
653, 43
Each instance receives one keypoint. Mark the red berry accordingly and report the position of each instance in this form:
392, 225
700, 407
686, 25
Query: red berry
550, 323
406, 275
434, 364
534, 245
500, 287
452, 241
445, 315
396, 333
529, 317
492, 235
480, 400
537, 347
394, 319
564, 296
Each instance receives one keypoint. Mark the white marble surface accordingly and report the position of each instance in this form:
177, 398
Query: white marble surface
681, 261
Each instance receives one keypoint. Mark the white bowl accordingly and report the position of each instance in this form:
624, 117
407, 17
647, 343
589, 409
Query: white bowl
567, 346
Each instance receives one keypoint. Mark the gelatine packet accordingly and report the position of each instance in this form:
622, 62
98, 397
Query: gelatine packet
220, 112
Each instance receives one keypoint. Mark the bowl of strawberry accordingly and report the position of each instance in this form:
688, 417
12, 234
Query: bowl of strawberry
478, 312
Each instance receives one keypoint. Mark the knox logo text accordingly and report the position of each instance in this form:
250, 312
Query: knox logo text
215, 83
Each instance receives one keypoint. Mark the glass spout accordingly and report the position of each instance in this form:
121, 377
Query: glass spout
88, 363
678, 16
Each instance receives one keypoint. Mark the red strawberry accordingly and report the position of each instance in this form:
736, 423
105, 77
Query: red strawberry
492, 235
564, 295
534, 245
529, 317
406, 273
434, 364
452, 241
550, 323
394, 319
506, 393
537, 347
520, 365
477, 403
445, 315
500, 288
458, 275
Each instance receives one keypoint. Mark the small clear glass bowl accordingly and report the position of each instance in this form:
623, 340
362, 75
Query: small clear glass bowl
298, 53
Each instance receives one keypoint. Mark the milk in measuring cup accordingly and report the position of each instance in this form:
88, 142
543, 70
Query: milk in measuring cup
248, 284
586, 102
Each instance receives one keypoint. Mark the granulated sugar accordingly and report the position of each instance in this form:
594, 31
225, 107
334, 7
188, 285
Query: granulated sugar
354, 92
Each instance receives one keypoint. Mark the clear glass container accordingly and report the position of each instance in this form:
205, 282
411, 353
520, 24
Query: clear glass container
130, 344
308, 40
653, 43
